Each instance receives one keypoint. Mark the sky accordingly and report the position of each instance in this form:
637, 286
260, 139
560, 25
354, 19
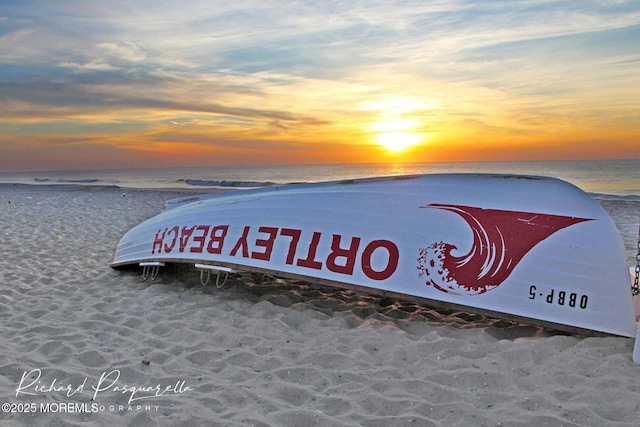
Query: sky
127, 84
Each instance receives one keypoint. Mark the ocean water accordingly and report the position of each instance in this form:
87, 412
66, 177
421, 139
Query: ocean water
601, 178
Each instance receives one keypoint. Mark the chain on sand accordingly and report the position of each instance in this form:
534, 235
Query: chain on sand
636, 286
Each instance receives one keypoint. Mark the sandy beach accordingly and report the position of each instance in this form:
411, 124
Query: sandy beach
82, 344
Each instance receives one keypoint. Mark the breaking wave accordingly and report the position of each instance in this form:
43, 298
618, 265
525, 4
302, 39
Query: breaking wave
66, 181
225, 183
627, 198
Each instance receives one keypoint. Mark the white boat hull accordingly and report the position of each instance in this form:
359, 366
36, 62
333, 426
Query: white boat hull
530, 248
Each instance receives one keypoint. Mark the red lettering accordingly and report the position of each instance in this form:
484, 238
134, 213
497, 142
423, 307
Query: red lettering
184, 237
157, 243
293, 245
200, 239
242, 243
174, 230
392, 262
267, 244
216, 241
310, 261
348, 254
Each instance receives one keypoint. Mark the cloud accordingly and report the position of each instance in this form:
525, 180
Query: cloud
221, 104
129, 52
90, 66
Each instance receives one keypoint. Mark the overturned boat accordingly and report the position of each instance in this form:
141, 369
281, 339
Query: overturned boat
526, 248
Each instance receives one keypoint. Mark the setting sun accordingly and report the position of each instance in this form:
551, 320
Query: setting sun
397, 141
395, 134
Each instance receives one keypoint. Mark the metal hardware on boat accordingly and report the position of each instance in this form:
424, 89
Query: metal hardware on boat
217, 270
151, 269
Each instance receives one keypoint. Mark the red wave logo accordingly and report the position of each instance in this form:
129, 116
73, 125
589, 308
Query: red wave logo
500, 240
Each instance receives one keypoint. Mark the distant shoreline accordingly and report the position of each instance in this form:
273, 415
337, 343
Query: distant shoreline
203, 190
